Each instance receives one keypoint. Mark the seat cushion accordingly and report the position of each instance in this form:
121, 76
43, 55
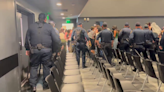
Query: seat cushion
72, 79
71, 72
72, 88
70, 67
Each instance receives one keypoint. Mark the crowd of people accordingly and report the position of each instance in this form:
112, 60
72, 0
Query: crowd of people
43, 41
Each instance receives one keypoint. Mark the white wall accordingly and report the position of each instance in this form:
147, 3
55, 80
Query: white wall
29, 7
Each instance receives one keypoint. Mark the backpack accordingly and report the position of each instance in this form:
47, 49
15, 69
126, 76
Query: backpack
79, 36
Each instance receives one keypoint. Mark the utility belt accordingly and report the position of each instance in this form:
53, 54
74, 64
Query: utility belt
39, 47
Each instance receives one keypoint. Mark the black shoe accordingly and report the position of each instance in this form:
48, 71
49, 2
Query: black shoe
84, 66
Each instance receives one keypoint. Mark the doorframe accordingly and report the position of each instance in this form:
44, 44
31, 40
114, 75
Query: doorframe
31, 20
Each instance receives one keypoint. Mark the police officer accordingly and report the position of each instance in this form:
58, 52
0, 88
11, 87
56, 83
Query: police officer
80, 36
124, 38
106, 41
137, 39
40, 39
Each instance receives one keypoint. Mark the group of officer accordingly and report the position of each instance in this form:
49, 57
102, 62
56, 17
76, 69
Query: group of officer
42, 41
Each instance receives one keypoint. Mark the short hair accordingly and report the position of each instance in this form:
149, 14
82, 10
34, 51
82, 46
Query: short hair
138, 24
92, 27
104, 24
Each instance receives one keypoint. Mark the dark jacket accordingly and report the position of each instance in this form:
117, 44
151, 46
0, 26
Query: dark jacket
42, 33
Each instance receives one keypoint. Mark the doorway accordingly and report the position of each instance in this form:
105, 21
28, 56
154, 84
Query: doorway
23, 19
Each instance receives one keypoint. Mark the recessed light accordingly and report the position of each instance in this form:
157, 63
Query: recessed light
63, 17
58, 4
62, 14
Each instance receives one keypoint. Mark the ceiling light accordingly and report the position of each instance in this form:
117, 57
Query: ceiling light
62, 14
63, 17
58, 4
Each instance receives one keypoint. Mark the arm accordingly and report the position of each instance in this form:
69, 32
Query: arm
65, 36
120, 36
55, 41
72, 36
115, 32
112, 39
86, 35
27, 40
131, 38
97, 39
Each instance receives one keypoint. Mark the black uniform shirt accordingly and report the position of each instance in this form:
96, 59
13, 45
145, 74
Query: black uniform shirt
45, 36
106, 36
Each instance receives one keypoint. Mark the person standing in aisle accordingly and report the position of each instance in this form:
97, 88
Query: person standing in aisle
106, 42
124, 38
68, 34
40, 39
80, 36
137, 39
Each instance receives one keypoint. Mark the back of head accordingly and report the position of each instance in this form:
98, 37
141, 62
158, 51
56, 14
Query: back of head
138, 24
146, 26
104, 24
42, 17
148, 23
126, 24
79, 24
114, 27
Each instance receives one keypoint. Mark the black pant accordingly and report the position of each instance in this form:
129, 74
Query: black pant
43, 57
124, 47
140, 48
80, 47
106, 47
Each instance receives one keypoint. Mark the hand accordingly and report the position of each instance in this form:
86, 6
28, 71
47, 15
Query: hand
160, 47
28, 53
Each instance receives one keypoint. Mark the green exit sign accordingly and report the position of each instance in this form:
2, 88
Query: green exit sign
68, 21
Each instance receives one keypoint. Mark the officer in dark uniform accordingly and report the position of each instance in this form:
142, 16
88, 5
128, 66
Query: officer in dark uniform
124, 38
137, 39
80, 36
106, 41
149, 38
40, 39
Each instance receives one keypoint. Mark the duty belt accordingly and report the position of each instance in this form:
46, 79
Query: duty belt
39, 47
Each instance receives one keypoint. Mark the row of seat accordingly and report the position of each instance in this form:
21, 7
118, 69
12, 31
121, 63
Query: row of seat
118, 80
65, 75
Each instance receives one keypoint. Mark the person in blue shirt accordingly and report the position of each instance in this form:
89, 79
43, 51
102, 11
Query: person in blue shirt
80, 38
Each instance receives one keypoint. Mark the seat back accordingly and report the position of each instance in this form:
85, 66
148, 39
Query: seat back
152, 54
51, 83
103, 69
110, 78
59, 69
117, 85
161, 72
130, 60
161, 56
123, 57
56, 76
149, 70
118, 54
138, 64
